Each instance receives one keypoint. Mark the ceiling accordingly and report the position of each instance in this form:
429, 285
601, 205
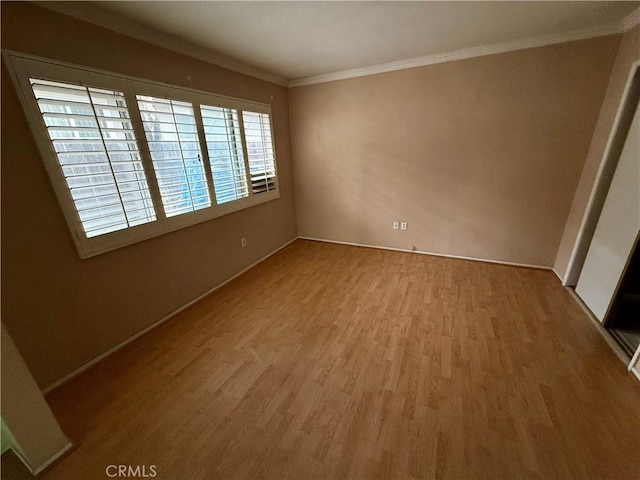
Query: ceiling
303, 40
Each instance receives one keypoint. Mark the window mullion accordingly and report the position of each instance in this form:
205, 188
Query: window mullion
204, 153
145, 154
243, 138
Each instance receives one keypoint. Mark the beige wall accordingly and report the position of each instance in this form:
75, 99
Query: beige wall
62, 311
481, 157
629, 52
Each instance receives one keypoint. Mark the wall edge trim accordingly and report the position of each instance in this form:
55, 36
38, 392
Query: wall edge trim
631, 20
52, 459
125, 342
434, 254
116, 23
463, 54
553, 269
131, 28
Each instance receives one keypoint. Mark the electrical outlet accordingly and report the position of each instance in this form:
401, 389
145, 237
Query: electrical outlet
243, 242
403, 226
396, 225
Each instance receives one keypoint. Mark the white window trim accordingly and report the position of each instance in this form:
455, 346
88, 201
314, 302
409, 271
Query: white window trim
22, 66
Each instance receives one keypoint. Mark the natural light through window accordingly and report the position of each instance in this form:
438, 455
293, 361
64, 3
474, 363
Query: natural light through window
130, 159
170, 128
260, 151
224, 145
91, 132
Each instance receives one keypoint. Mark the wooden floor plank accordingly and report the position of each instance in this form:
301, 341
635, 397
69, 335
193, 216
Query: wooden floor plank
330, 361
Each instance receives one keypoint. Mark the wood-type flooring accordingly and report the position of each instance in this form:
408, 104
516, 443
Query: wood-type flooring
338, 362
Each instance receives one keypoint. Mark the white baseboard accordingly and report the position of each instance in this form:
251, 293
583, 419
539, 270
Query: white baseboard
421, 252
46, 464
36, 470
89, 364
636, 373
558, 275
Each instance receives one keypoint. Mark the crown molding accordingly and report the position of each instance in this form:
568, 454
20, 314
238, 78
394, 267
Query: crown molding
598, 31
85, 11
631, 20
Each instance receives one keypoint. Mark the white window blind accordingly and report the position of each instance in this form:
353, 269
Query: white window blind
262, 165
170, 128
130, 159
91, 133
224, 146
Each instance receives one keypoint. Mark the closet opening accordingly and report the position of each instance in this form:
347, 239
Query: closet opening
623, 319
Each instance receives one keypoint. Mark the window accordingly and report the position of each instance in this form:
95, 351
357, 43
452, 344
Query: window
170, 129
130, 159
224, 145
91, 134
262, 163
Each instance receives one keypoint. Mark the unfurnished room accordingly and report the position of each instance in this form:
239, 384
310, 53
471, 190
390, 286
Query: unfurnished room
320, 240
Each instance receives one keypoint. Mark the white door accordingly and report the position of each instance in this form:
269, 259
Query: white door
616, 230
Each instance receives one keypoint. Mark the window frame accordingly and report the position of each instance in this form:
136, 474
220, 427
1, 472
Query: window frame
22, 67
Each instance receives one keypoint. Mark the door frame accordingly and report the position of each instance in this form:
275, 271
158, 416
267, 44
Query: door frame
606, 170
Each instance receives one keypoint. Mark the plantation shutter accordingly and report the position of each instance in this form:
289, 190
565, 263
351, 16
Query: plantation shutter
131, 159
224, 146
93, 139
172, 137
262, 166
